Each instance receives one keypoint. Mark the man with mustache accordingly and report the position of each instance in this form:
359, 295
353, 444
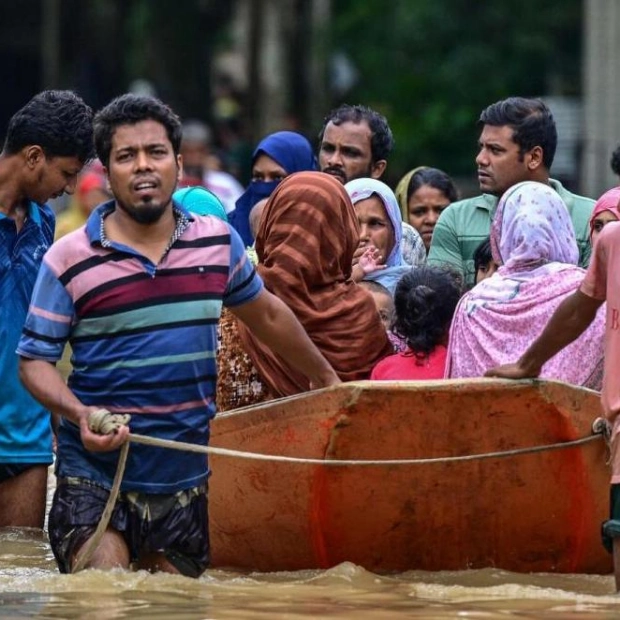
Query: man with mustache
138, 293
354, 142
47, 143
517, 143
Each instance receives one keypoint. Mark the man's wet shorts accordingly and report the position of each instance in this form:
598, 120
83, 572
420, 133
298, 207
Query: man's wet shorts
11, 470
611, 528
176, 525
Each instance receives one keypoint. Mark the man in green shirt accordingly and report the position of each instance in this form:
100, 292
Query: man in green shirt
517, 143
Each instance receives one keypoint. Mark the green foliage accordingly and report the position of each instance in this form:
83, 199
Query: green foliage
432, 65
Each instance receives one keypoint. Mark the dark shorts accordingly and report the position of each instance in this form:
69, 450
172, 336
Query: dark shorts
611, 528
176, 525
11, 470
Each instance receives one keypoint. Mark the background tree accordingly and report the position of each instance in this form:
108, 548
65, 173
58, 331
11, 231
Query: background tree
431, 67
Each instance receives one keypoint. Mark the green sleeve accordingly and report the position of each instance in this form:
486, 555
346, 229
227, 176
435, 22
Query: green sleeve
445, 248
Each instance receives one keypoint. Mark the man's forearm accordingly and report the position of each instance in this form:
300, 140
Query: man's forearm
46, 385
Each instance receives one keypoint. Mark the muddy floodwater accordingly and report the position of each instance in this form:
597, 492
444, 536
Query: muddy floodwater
31, 587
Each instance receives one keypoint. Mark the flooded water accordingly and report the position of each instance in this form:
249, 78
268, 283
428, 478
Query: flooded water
30, 586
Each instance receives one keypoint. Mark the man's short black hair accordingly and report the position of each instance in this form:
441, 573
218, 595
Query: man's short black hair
56, 120
130, 109
381, 142
532, 123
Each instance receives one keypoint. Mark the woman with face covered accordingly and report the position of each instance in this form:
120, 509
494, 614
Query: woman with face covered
276, 156
305, 245
534, 245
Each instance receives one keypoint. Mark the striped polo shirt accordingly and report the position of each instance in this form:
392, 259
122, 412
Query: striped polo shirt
143, 337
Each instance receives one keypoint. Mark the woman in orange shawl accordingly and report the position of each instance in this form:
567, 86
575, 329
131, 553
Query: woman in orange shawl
305, 245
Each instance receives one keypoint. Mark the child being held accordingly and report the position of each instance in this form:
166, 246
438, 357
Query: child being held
385, 307
424, 303
383, 301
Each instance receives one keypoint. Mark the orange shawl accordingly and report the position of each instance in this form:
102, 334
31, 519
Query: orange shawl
305, 246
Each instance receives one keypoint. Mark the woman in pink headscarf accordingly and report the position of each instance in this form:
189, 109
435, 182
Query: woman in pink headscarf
533, 242
605, 210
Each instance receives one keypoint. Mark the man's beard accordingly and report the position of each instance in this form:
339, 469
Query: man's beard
147, 213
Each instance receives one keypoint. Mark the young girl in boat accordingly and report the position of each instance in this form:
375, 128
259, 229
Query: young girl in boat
424, 303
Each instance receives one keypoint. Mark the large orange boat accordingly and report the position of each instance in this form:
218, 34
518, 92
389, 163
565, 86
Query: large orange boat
531, 511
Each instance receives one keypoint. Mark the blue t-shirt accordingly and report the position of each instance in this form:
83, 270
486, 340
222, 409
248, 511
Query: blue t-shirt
25, 429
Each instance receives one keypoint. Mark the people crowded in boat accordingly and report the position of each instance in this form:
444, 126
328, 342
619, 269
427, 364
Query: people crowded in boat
315, 238
305, 244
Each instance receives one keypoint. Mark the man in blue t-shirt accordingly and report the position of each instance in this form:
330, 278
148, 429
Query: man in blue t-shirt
47, 143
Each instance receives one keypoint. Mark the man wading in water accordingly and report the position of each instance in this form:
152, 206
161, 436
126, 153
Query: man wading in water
138, 293
47, 143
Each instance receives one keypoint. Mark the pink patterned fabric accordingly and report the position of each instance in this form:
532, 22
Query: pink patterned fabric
533, 241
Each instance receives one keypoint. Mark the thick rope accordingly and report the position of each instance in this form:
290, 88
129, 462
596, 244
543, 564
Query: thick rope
84, 558
103, 420
190, 447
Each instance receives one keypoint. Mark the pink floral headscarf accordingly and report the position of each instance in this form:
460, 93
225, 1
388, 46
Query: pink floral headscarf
532, 227
532, 240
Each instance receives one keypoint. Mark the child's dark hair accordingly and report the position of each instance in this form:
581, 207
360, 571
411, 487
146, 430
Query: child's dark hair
424, 302
482, 254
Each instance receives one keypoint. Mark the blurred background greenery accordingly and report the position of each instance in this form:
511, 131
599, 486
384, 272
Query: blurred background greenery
248, 67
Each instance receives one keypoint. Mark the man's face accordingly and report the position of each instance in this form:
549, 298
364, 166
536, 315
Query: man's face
195, 155
52, 177
143, 170
345, 152
499, 163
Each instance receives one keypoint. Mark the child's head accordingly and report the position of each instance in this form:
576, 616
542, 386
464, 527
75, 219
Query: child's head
424, 302
383, 301
484, 264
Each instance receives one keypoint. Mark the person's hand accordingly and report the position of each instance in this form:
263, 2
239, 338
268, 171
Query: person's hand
95, 442
358, 252
510, 371
371, 260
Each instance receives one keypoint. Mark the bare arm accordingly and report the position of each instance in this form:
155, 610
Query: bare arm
568, 322
46, 385
272, 322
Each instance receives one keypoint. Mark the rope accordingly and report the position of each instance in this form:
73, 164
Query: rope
84, 558
190, 447
104, 420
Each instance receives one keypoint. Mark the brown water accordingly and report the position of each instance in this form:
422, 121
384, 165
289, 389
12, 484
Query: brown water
30, 586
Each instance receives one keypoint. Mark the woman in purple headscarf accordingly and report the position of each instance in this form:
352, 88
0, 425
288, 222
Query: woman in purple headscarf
275, 157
